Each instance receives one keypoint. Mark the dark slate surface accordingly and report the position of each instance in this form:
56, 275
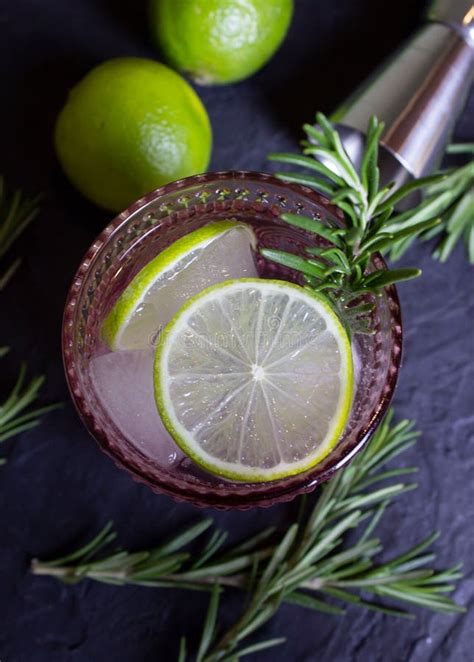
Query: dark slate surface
57, 487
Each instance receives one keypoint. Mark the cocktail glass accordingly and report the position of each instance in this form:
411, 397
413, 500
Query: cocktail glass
141, 232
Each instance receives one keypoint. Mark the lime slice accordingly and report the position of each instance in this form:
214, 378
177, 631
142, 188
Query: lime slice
214, 253
253, 379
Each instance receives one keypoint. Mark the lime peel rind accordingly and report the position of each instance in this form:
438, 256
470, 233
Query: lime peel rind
129, 126
219, 41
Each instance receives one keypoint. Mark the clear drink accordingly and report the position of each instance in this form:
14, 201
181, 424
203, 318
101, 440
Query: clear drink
123, 380
114, 391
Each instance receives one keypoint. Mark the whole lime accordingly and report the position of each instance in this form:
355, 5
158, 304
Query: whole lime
130, 126
219, 41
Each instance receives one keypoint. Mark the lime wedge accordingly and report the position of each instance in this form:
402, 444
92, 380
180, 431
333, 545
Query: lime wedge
253, 379
214, 253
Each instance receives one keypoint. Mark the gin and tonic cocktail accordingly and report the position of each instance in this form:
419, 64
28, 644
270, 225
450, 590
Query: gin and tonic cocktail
136, 349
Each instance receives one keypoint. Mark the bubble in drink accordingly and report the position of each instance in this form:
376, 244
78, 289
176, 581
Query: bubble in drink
356, 361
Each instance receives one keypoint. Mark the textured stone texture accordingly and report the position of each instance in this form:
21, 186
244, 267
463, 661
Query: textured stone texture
57, 488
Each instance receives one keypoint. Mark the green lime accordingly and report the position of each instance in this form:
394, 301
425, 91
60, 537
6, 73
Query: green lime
216, 252
254, 379
130, 126
219, 41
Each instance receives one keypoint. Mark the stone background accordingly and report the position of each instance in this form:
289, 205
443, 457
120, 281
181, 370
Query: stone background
58, 488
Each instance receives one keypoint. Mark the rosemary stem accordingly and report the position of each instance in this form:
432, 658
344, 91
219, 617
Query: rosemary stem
233, 581
39, 568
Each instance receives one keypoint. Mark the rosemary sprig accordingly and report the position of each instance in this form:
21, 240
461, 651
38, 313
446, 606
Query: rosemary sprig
16, 213
166, 566
14, 415
339, 266
456, 189
324, 558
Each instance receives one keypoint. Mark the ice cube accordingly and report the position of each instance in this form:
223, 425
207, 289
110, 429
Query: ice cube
123, 382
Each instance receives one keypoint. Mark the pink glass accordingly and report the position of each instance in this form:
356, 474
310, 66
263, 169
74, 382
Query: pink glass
123, 248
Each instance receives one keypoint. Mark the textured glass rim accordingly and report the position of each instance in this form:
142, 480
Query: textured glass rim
234, 495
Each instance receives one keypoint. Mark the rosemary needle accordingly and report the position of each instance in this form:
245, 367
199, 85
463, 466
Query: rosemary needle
16, 213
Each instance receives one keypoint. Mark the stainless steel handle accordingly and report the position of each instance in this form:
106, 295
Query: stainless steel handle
458, 14
418, 93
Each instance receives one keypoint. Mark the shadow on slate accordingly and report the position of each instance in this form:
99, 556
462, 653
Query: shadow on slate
318, 67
